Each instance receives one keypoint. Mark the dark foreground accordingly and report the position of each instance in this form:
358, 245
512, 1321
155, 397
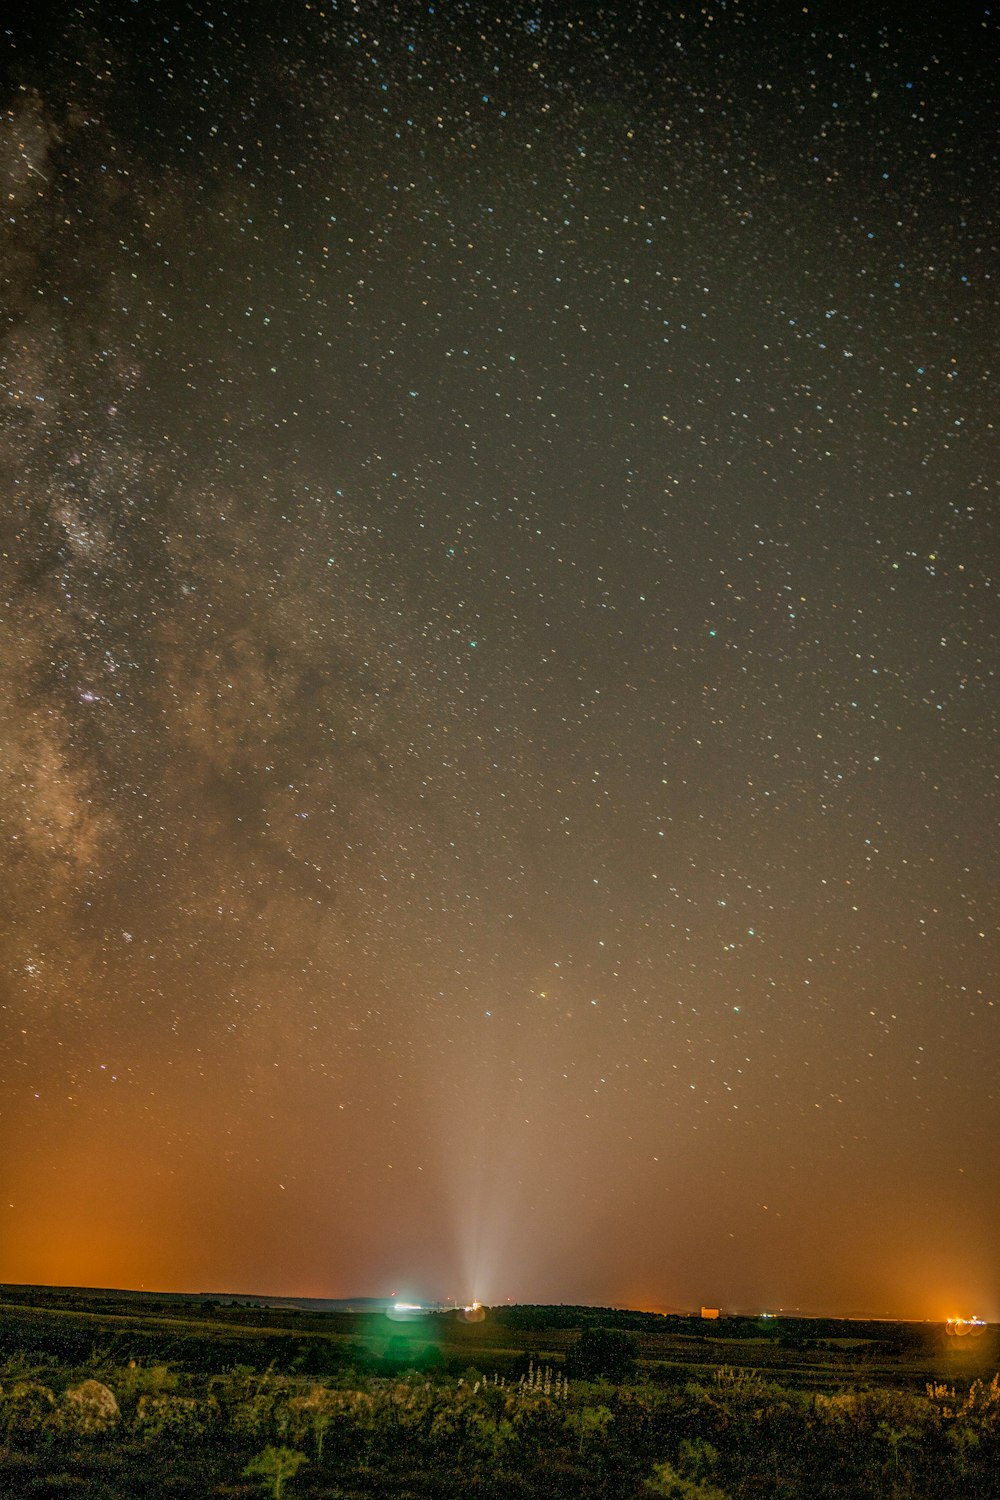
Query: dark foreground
111, 1396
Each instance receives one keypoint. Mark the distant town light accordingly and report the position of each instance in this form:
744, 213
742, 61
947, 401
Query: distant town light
960, 1327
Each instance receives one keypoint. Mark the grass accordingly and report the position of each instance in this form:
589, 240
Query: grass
791, 1410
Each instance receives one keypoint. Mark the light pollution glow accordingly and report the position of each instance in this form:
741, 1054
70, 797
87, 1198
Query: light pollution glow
500, 782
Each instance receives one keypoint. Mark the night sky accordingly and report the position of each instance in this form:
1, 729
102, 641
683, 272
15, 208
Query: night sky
499, 760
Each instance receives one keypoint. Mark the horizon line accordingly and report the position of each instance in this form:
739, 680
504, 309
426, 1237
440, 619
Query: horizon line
434, 1305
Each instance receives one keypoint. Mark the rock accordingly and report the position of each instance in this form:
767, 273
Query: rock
90, 1407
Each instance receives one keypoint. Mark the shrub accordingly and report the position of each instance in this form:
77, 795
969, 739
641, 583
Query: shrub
274, 1466
667, 1482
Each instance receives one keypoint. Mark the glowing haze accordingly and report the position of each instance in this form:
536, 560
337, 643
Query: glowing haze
499, 722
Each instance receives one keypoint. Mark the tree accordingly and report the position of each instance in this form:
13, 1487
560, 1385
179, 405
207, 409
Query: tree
604, 1351
274, 1466
320, 1423
590, 1422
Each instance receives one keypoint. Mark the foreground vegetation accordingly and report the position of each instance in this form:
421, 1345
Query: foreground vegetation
596, 1416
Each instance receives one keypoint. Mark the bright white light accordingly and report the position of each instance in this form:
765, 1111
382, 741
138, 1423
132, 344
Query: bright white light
406, 1307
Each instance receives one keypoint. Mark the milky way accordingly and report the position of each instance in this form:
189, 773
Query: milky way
499, 655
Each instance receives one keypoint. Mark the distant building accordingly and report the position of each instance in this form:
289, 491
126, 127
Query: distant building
710, 1312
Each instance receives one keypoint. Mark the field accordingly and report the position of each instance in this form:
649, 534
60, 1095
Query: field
111, 1395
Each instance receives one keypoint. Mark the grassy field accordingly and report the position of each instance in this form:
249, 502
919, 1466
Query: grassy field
109, 1395
808, 1354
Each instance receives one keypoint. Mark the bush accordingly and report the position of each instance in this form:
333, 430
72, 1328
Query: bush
274, 1466
603, 1351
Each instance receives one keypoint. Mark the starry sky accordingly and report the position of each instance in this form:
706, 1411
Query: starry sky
499, 779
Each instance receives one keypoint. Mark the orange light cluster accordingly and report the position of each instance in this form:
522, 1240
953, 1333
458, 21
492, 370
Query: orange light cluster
960, 1327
